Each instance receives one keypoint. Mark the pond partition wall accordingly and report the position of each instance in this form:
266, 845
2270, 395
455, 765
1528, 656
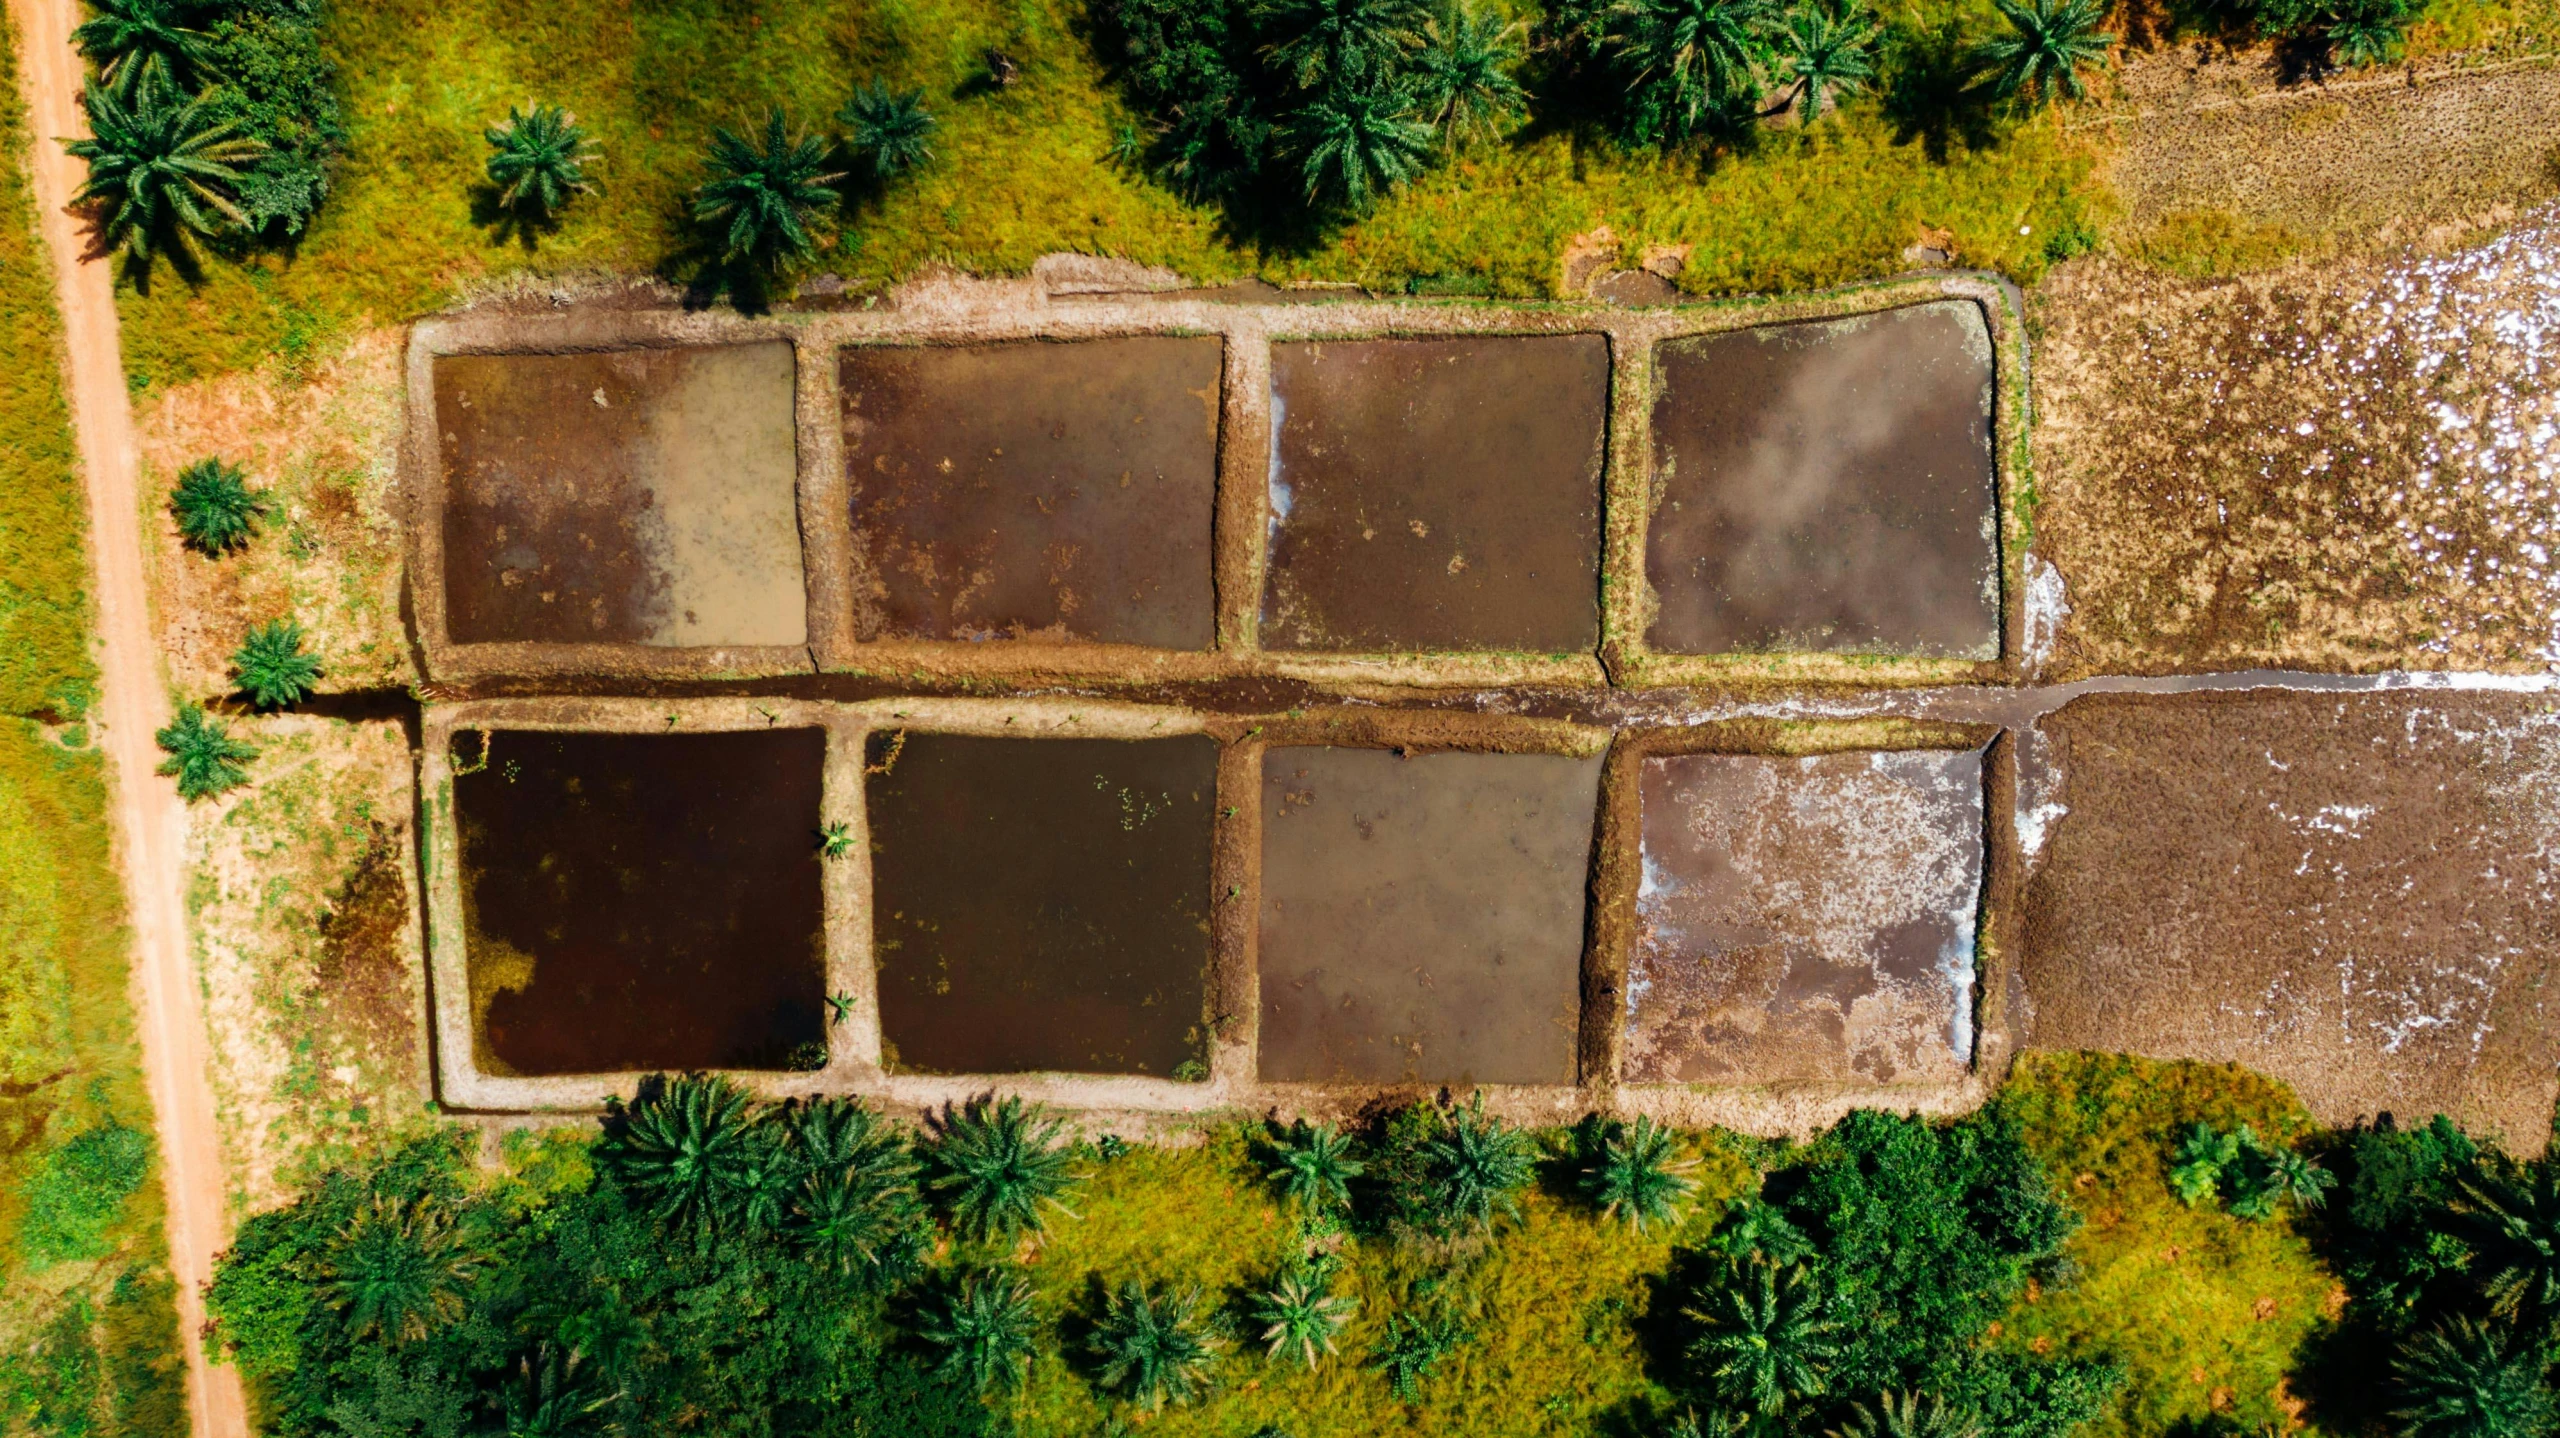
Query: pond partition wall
1169, 489
787, 677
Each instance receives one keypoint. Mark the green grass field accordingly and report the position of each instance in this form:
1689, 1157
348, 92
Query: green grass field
88, 1336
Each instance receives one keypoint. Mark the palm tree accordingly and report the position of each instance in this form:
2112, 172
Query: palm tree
538, 159
1341, 45
2202, 1156
855, 1208
1300, 1316
1359, 145
1757, 1229
893, 128
1636, 1176
984, 1326
1829, 52
2368, 32
1478, 1166
2471, 1380
760, 197
214, 506
1908, 1415
1155, 1344
204, 758
687, 1151
1463, 80
397, 1269
2511, 1220
2299, 1178
1413, 1346
271, 667
162, 170
1316, 1167
144, 44
1689, 62
1765, 1342
2048, 41
995, 1164
551, 1397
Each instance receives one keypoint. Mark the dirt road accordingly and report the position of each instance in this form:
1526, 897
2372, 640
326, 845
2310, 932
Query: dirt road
150, 823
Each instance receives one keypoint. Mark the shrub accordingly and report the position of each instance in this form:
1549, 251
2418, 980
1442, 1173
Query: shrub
163, 171
982, 1326
996, 1165
215, 508
892, 128
761, 196
271, 667
203, 757
279, 90
75, 1195
538, 160
1155, 1344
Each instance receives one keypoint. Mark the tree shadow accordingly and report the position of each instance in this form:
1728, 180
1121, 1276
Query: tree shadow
1936, 97
520, 225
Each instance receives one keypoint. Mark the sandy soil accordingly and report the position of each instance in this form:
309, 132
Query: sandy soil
2330, 467
150, 824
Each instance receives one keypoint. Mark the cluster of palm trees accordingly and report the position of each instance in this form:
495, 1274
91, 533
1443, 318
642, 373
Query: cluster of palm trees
218, 514
2483, 1369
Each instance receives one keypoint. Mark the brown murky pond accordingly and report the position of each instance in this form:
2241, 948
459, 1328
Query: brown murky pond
1806, 919
1042, 904
1054, 489
639, 497
643, 901
1437, 494
1828, 486
1422, 918
2352, 893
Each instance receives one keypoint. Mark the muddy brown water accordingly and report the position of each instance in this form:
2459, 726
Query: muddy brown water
640, 497
1828, 486
644, 901
1422, 917
2351, 892
1042, 905
1806, 919
1439, 494
1058, 489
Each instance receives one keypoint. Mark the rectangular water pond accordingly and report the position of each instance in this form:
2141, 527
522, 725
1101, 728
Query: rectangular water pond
2348, 892
1437, 494
1828, 486
643, 901
1042, 904
1422, 918
1806, 920
1047, 489
640, 497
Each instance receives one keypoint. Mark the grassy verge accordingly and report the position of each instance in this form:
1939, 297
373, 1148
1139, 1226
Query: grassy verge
88, 1333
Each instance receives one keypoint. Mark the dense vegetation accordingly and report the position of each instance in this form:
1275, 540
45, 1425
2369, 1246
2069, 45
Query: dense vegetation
707, 1263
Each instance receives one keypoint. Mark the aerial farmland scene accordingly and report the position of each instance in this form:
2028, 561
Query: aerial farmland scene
1280, 718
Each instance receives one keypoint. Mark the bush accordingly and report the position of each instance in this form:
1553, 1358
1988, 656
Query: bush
77, 1193
280, 89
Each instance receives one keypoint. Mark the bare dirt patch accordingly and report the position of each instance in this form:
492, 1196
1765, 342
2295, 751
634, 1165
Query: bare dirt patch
324, 445
645, 496
1439, 494
1828, 487
1042, 489
1806, 920
307, 943
1042, 904
2343, 466
1422, 917
2350, 893
639, 901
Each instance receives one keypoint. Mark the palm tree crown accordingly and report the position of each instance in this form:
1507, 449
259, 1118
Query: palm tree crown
162, 170
214, 506
1478, 1166
1463, 71
1764, 1341
2039, 59
398, 1270
1637, 1174
983, 1325
1341, 44
1359, 145
203, 758
143, 44
1155, 1344
761, 196
1691, 61
271, 667
1908, 1415
1316, 1167
2471, 1381
892, 127
1828, 53
1301, 1316
686, 1151
2512, 1222
538, 159
996, 1164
